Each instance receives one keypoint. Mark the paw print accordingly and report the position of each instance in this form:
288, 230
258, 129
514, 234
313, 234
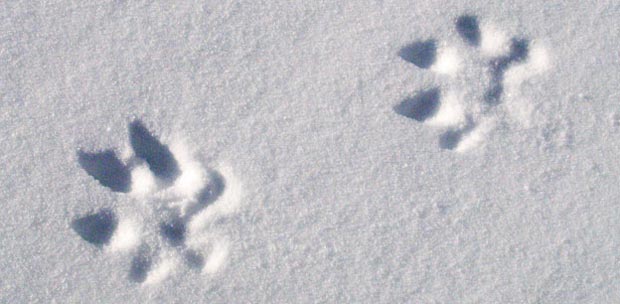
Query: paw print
174, 200
482, 94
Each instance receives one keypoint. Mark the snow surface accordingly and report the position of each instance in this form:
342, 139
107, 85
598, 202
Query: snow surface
286, 152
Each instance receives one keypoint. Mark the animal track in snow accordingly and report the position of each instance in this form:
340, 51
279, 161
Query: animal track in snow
175, 200
465, 112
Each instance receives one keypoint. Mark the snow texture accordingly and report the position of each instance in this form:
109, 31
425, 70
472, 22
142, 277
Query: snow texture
382, 151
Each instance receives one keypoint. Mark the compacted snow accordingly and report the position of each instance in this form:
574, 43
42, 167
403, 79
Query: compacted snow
310, 151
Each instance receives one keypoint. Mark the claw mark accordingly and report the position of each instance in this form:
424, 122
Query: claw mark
140, 266
194, 259
422, 106
421, 53
210, 193
450, 139
157, 156
106, 168
96, 228
467, 26
173, 231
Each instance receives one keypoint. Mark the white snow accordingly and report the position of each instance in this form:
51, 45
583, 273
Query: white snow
451, 112
143, 181
268, 161
217, 258
448, 61
126, 237
493, 42
161, 271
192, 177
475, 137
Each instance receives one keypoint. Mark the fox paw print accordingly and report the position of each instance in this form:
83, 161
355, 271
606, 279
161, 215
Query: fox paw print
174, 200
480, 94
